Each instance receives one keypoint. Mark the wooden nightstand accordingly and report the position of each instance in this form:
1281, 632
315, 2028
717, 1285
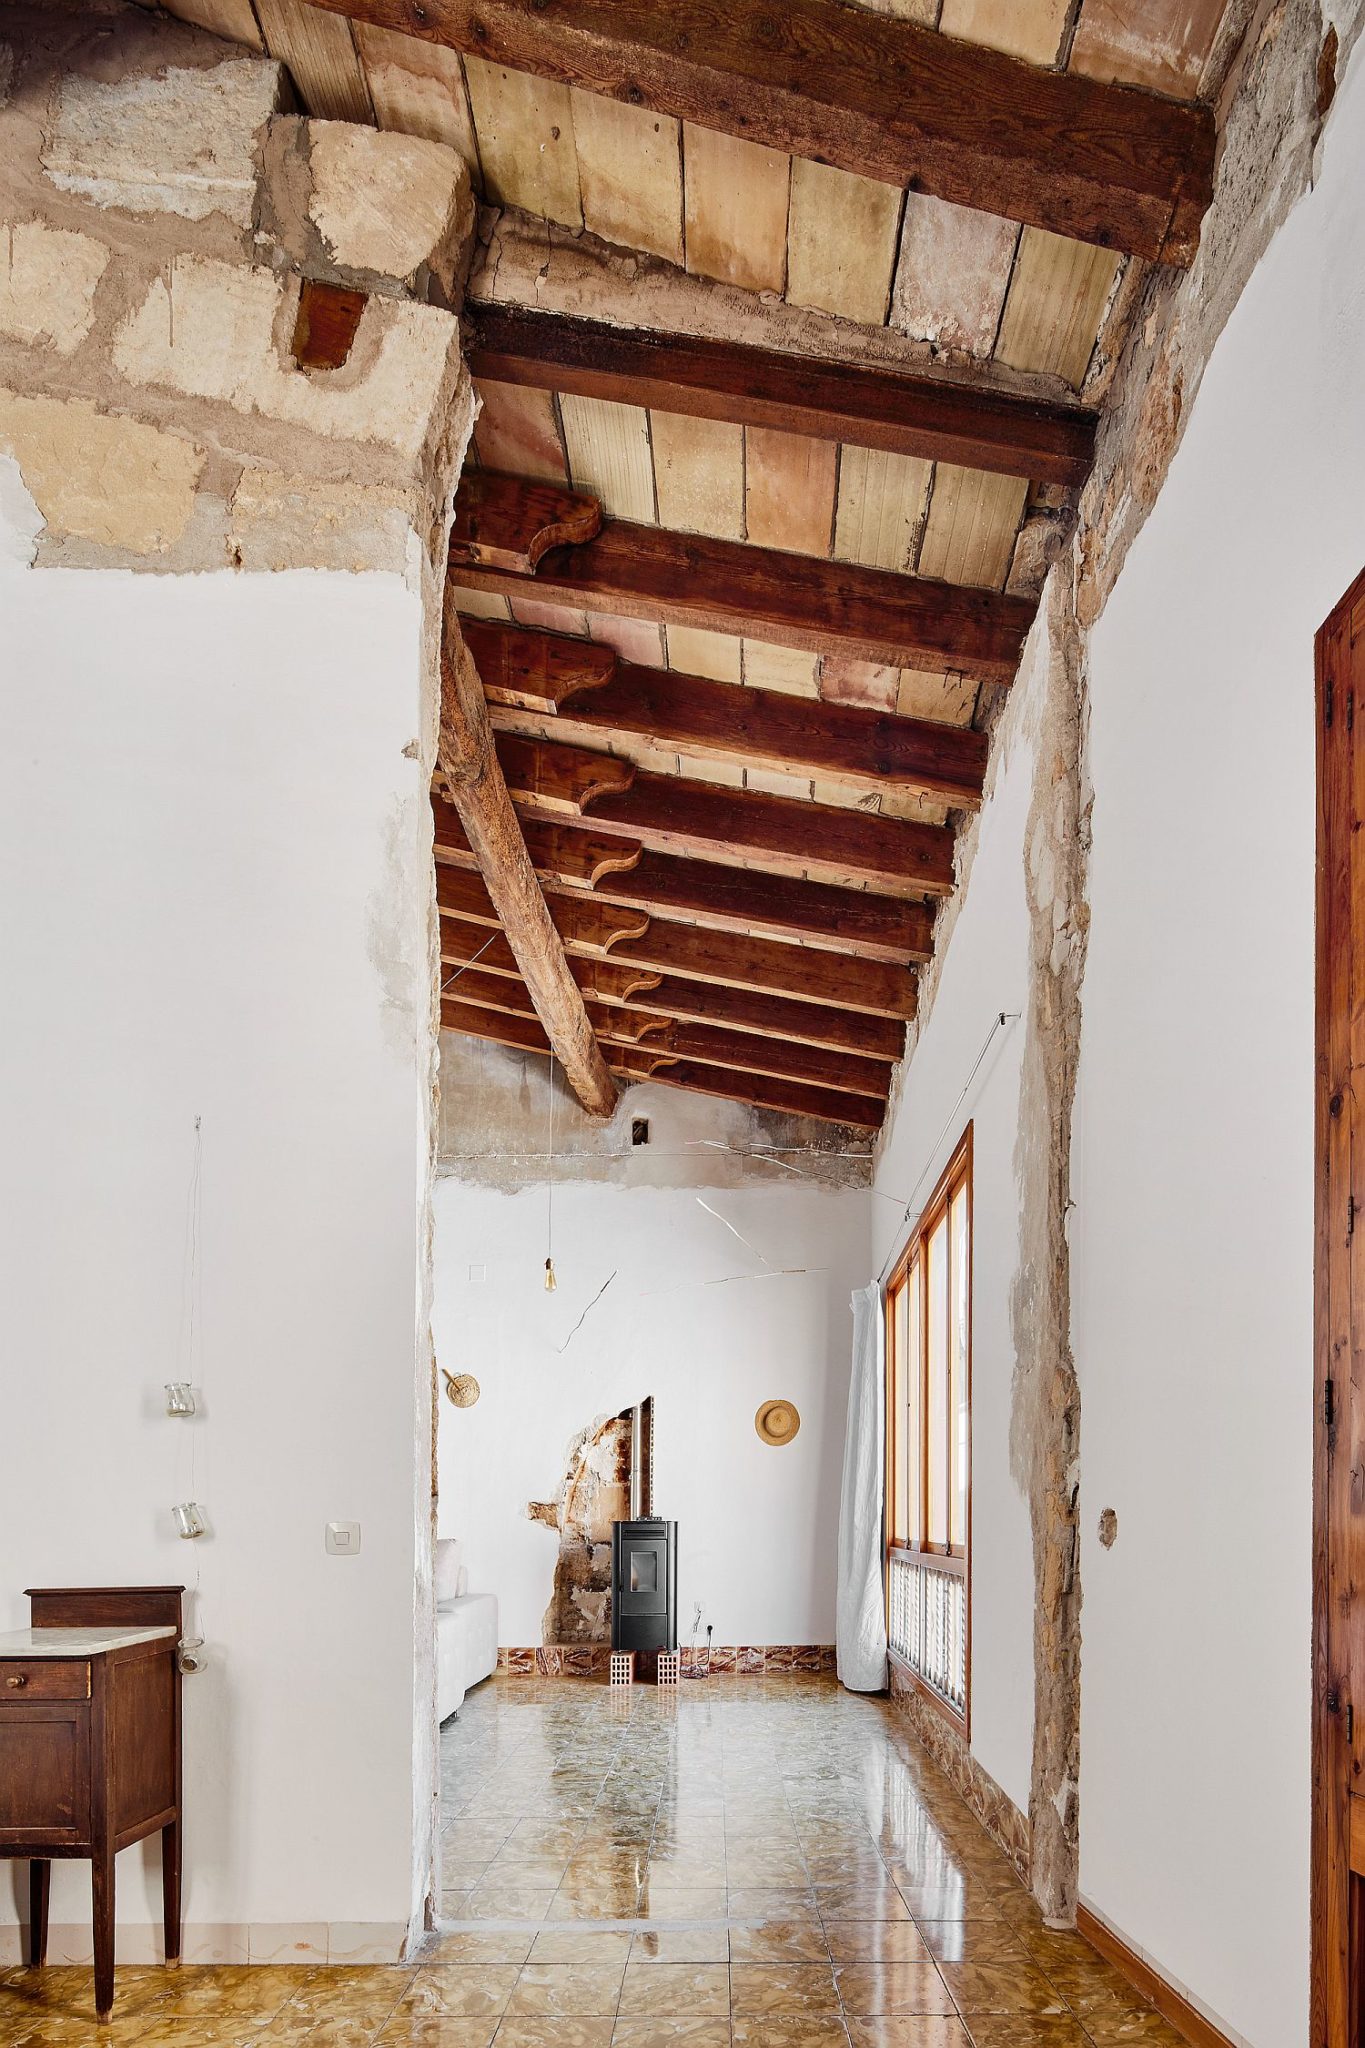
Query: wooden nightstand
90, 1748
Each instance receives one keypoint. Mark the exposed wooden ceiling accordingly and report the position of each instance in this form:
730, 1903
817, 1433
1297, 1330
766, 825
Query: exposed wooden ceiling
735, 592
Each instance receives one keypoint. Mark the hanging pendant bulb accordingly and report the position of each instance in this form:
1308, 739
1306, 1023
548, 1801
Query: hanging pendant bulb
550, 1282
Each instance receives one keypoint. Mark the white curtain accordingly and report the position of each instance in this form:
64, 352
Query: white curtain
860, 1618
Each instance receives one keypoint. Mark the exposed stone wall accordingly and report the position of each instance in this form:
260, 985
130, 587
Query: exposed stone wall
159, 210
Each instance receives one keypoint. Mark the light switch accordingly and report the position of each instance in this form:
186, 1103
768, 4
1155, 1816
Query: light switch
343, 1538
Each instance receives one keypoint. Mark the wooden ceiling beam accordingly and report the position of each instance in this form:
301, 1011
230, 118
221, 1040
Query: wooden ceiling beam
726, 586
727, 899
701, 821
918, 412
806, 974
869, 93
469, 763
495, 984
592, 694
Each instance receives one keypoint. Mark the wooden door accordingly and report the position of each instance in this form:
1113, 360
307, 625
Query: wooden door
1338, 1856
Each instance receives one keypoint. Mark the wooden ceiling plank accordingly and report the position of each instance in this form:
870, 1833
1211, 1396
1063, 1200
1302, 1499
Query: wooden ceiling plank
468, 761
630, 173
867, 93
911, 411
869, 750
647, 572
526, 136
735, 209
321, 59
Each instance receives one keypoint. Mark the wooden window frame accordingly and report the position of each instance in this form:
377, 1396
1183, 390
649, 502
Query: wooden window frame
954, 1560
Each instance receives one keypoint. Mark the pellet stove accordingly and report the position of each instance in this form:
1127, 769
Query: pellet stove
644, 1585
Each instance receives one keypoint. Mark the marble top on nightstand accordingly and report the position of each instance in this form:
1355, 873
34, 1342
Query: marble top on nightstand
74, 1642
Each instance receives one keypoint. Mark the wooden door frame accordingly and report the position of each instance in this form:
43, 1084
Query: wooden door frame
1337, 1920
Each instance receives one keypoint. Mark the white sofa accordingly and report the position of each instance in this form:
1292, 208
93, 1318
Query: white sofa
466, 1631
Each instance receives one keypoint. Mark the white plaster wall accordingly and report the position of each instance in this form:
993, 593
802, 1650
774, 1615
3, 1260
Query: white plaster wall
213, 903
1193, 1146
694, 1318
984, 972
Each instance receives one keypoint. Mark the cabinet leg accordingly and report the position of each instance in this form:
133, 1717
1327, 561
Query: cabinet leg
170, 1888
39, 1891
102, 1872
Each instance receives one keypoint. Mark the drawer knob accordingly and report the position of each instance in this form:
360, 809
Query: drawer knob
19, 1678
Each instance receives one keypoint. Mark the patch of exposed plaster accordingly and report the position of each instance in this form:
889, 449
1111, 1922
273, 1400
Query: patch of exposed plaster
21, 522
595, 1492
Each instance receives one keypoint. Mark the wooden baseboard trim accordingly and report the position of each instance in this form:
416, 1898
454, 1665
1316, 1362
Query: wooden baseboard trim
1170, 2003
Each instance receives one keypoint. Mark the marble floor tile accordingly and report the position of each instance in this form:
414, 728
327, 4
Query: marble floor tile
1001, 1987
861, 1902
675, 1991
875, 1990
656, 2033
974, 1941
789, 2030
875, 1941
901, 2030
573, 2032
1131, 2030
773, 1988
780, 1941
480, 1945
682, 1945
1018, 2030
463, 1990
604, 1948
432, 2030
567, 1991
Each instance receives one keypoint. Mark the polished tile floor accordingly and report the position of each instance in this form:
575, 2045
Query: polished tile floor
744, 1863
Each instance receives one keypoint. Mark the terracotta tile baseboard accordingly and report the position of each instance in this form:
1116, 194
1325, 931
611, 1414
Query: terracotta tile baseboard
593, 1660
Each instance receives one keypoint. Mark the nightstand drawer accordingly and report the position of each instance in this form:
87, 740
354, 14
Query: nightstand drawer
44, 1678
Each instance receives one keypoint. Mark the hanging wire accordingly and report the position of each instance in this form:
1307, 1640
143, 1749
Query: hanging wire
1001, 1019
550, 1282
192, 1345
473, 962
